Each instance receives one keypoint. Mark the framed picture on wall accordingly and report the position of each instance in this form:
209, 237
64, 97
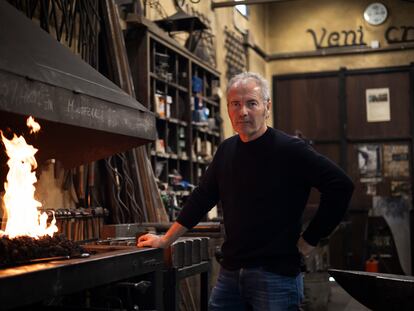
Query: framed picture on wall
396, 160
378, 105
369, 162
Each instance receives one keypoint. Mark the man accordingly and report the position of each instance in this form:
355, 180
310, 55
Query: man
262, 177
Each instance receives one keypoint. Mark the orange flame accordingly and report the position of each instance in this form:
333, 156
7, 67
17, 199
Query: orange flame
32, 125
21, 209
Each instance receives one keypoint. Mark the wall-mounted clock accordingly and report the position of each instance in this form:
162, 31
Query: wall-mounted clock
376, 13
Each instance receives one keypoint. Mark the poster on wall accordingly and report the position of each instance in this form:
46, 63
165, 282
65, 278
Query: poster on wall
396, 161
400, 188
369, 163
378, 105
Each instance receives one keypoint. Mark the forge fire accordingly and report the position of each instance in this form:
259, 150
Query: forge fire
20, 207
27, 234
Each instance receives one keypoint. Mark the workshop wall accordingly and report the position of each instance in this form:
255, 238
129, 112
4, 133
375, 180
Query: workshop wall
286, 30
290, 33
305, 26
299, 27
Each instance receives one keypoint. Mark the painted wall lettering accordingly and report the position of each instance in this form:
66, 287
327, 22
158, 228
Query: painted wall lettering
337, 38
400, 34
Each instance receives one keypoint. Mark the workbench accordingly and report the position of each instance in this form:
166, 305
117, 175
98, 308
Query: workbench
24, 285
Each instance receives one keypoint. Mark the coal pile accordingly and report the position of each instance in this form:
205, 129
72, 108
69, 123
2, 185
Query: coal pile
23, 250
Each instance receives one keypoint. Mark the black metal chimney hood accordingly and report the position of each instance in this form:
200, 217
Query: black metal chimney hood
83, 115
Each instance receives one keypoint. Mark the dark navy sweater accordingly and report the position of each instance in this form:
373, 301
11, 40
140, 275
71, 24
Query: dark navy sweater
263, 186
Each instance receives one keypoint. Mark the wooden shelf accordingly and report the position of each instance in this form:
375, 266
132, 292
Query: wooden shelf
160, 154
203, 130
210, 101
202, 161
176, 192
168, 70
171, 120
170, 83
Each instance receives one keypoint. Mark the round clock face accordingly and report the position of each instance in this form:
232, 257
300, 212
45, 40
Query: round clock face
376, 13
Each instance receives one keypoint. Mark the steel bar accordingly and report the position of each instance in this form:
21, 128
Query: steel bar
137, 180
72, 15
58, 30
44, 14
33, 7
65, 16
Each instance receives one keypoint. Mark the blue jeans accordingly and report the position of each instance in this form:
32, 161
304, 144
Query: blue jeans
256, 289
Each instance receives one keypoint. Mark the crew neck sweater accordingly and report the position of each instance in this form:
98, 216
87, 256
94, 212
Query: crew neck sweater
263, 186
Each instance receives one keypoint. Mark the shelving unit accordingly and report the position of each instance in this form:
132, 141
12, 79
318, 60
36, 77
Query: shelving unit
182, 92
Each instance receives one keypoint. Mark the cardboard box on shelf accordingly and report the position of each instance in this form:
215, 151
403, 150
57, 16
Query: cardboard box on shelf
160, 145
168, 106
160, 105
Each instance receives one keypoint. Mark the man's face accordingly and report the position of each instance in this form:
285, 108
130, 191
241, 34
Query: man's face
247, 110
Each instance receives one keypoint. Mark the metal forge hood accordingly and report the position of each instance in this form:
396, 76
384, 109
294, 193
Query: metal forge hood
83, 115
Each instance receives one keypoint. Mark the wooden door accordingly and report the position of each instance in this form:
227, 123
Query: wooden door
330, 110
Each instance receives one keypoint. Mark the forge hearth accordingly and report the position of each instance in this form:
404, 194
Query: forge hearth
22, 250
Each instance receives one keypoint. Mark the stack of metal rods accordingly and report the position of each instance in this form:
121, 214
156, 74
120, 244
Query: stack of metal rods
80, 224
146, 191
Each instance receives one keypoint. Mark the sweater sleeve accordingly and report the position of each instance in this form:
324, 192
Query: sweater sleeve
335, 187
203, 198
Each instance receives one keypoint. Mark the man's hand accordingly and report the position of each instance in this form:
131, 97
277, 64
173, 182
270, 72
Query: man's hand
304, 247
162, 241
151, 240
